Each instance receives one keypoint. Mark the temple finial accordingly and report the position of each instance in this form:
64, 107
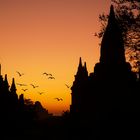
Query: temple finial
80, 61
13, 86
111, 14
85, 68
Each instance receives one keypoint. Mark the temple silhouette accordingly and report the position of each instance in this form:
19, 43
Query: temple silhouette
105, 102
9, 101
112, 90
15, 110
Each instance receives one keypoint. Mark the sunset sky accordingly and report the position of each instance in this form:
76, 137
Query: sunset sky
39, 36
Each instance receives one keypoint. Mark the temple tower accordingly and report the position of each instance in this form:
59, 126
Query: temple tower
112, 45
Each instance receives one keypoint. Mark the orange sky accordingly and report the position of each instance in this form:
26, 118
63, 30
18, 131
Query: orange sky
39, 36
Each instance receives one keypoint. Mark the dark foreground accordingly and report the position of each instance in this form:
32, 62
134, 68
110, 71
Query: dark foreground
124, 126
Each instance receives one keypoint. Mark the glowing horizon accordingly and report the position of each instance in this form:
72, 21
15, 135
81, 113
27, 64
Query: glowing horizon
48, 36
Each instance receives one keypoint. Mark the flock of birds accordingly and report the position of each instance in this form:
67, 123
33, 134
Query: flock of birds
49, 75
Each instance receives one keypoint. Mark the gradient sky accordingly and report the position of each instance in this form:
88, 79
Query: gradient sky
39, 36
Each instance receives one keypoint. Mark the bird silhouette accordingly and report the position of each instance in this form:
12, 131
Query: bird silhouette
24, 89
59, 99
20, 74
45, 74
34, 86
21, 84
40, 93
67, 86
51, 77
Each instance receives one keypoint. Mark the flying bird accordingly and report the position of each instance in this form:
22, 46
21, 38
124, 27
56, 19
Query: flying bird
48, 74
59, 99
45, 74
21, 84
24, 89
40, 93
20, 74
51, 77
67, 86
34, 86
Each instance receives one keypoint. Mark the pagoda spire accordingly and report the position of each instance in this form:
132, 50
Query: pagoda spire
85, 68
81, 71
6, 85
80, 67
13, 86
80, 63
112, 45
